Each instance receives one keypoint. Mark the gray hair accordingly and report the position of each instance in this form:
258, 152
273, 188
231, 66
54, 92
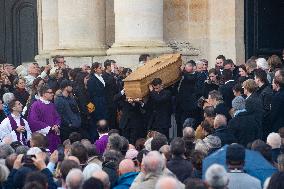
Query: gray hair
112, 155
115, 142
22, 149
4, 172
220, 120
153, 162
8, 97
5, 150
216, 176
199, 62
168, 182
90, 169
215, 95
188, 132
74, 179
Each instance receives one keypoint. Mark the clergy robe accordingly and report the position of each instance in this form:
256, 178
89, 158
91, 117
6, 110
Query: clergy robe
42, 116
6, 129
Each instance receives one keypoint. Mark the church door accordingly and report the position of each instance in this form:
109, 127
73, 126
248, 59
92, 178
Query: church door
264, 28
18, 30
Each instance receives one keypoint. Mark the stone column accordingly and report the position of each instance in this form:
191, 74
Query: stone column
226, 30
138, 28
47, 28
81, 26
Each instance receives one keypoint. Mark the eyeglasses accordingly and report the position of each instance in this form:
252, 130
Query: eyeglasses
50, 92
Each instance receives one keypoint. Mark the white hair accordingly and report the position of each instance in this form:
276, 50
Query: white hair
153, 162
33, 151
90, 169
262, 63
147, 144
74, 179
4, 173
8, 97
216, 176
168, 182
274, 140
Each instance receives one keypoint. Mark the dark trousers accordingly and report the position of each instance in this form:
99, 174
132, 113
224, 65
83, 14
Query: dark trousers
66, 131
132, 134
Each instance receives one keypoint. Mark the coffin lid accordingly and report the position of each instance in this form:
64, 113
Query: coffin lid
153, 66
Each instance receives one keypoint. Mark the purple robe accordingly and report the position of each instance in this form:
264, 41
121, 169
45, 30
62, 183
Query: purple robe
41, 116
101, 144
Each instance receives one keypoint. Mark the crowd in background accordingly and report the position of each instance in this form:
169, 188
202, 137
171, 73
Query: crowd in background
75, 128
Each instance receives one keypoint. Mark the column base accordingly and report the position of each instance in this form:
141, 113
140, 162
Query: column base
79, 52
134, 50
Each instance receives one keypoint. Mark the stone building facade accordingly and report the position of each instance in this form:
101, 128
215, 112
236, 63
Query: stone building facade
93, 30
86, 31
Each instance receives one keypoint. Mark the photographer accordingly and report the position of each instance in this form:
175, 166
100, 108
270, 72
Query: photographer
25, 164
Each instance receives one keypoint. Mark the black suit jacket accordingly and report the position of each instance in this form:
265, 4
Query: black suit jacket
277, 111
227, 92
159, 109
245, 127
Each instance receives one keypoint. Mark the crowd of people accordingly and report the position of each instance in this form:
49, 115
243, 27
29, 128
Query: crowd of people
75, 128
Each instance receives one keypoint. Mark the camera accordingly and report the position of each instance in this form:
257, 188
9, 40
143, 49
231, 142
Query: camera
201, 101
27, 159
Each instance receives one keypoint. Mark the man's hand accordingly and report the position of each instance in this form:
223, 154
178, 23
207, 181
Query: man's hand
130, 100
20, 129
18, 162
47, 68
151, 88
39, 161
54, 157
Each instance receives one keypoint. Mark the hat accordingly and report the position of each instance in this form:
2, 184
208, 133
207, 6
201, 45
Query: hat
131, 154
238, 103
235, 152
216, 176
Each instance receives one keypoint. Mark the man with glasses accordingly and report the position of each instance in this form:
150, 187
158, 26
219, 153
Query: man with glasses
60, 63
44, 118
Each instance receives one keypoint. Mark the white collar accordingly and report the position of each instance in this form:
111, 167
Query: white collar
228, 81
100, 78
15, 117
44, 101
104, 134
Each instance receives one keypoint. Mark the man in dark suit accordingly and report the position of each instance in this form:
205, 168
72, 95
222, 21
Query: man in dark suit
131, 121
277, 102
159, 108
187, 96
111, 89
227, 89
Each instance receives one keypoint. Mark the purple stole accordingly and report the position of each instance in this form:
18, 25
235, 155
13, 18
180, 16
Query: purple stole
14, 127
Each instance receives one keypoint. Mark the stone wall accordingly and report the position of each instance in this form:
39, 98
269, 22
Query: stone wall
195, 28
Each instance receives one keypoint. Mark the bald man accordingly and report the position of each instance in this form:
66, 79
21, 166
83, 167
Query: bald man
102, 176
222, 131
127, 173
168, 183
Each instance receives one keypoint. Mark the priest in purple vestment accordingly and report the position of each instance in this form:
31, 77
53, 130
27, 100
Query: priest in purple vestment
43, 117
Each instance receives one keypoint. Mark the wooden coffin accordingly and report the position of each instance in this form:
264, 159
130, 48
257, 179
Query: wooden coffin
166, 67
